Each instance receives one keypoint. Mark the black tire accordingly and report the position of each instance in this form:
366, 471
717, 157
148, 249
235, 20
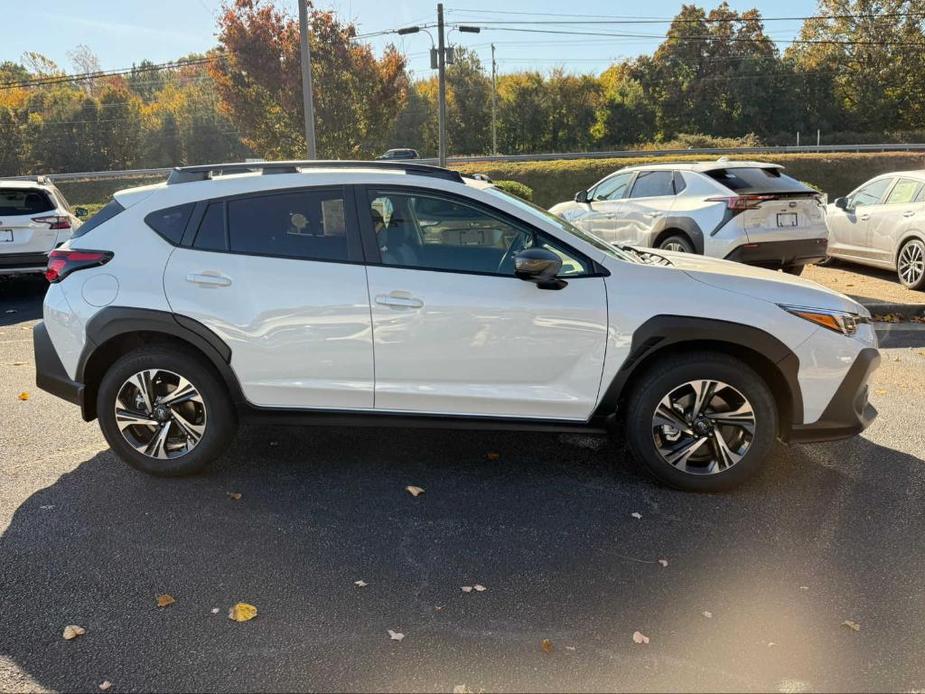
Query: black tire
219, 418
912, 254
670, 375
681, 244
795, 270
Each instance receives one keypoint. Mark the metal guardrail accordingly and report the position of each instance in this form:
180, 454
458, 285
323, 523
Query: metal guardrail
617, 154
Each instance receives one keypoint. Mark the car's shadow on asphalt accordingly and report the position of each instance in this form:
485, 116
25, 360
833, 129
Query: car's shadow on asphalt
546, 526
22, 296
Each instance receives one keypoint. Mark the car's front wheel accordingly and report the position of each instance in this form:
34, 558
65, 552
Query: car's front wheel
165, 411
910, 265
701, 422
677, 243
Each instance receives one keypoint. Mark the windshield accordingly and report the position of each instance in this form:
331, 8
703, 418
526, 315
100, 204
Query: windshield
568, 228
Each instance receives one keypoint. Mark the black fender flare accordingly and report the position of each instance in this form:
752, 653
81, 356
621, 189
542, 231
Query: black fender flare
663, 331
685, 224
116, 321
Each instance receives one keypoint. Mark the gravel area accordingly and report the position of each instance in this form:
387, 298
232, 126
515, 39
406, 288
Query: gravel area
865, 284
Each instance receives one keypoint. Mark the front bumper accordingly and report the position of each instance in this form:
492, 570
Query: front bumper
848, 413
50, 375
778, 254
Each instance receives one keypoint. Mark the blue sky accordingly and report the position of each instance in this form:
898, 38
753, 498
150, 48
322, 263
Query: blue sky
122, 32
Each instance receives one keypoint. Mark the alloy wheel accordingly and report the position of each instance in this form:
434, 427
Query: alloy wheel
911, 263
160, 414
703, 427
675, 246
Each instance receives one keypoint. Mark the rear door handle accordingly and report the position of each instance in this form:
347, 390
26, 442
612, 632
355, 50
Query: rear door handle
207, 280
399, 301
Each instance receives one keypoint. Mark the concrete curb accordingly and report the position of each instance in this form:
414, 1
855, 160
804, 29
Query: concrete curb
878, 308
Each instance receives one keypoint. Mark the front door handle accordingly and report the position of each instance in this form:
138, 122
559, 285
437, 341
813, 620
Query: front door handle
209, 280
399, 301
864, 217
910, 213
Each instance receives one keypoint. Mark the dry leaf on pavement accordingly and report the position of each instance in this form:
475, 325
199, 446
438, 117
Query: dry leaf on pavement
242, 612
105, 685
396, 635
461, 689
478, 587
663, 562
414, 491
234, 496
72, 631
360, 584
636, 514
707, 614
639, 637
23, 395
467, 589
492, 455
165, 600
854, 626
547, 646
215, 610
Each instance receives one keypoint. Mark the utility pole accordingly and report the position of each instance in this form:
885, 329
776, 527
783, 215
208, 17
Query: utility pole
308, 104
441, 77
494, 91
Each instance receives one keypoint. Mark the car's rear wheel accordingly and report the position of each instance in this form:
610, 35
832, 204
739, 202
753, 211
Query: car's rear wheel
703, 422
677, 243
165, 411
910, 264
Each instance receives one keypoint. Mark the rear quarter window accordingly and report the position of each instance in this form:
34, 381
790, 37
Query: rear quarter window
104, 215
757, 180
170, 222
24, 201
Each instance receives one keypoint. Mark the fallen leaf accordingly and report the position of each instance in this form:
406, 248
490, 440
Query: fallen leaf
242, 612
23, 395
492, 455
707, 614
663, 562
105, 685
639, 637
234, 496
396, 635
804, 587
165, 600
636, 514
547, 646
274, 444
360, 584
467, 589
47, 507
854, 626
570, 648
880, 391
414, 491
461, 689
72, 631
479, 587
215, 610
771, 644
19, 363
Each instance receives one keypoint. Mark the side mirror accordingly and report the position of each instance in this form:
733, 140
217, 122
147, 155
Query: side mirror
540, 266
841, 203
581, 196
81, 212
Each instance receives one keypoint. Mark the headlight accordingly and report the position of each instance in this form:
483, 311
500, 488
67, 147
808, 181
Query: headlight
839, 321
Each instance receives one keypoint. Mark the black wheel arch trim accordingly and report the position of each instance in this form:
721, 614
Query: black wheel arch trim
115, 321
664, 331
688, 226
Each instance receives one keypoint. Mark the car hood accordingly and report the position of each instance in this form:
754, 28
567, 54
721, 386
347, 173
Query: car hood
759, 283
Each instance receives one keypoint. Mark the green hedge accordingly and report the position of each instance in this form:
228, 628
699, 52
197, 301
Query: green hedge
835, 174
515, 188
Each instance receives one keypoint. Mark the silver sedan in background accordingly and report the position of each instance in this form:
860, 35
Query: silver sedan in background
882, 224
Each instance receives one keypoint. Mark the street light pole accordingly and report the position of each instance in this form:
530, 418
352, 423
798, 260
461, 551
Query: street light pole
308, 104
494, 91
441, 78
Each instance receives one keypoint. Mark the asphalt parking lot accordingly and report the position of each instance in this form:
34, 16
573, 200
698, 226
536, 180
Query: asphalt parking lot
757, 588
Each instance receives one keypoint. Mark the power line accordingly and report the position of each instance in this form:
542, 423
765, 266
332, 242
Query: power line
626, 19
84, 76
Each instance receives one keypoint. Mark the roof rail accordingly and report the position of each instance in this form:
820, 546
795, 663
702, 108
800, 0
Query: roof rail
204, 172
41, 180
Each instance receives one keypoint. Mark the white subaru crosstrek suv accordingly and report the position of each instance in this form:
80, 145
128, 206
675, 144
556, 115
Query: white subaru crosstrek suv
389, 293
34, 219
746, 211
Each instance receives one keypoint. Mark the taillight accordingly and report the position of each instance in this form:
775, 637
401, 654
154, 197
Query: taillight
62, 263
739, 203
55, 221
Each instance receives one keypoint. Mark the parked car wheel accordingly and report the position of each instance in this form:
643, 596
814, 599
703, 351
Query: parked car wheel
910, 264
164, 411
703, 422
677, 243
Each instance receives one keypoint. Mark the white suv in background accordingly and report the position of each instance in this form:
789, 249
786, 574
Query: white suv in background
738, 210
34, 219
355, 293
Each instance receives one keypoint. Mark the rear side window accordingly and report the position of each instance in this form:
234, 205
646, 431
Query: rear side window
679, 183
170, 222
104, 215
757, 180
211, 235
653, 183
903, 192
307, 225
23, 201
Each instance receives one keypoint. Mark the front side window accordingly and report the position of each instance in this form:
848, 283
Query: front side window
436, 233
612, 188
871, 193
650, 184
308, 225
903, 192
